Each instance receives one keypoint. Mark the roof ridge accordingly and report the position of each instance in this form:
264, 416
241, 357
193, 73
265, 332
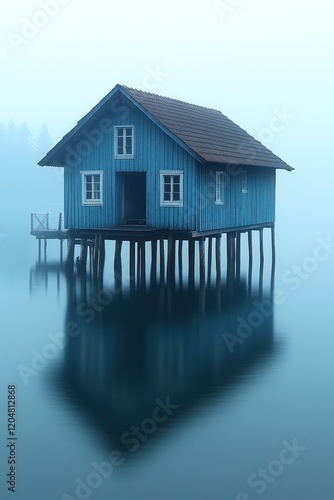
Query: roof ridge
151, 94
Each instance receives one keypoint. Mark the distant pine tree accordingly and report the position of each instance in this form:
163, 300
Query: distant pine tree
43, 141
25, 137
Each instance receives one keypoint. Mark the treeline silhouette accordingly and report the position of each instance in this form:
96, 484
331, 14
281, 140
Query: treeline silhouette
25, 186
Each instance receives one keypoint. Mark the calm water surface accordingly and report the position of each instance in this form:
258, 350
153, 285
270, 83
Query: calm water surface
234, 403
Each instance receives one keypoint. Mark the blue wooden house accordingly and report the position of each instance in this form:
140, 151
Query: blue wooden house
139, 159
141, 167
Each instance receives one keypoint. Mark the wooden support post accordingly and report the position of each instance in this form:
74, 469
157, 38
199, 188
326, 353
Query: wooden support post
142, 263
70, 254
132, 262
180, 261
191, 262
59, 222
238, 255
154, 247
61, 241
39, 249
45, 247
171, 257
233, 251
102, 255
162, 259
230, 258
138, 261
118, 264
273, 246
261, 280
218, 257
83, 256
91, 256
96, 255
209, 259
272, 279
202, 259
250, 248
261, 245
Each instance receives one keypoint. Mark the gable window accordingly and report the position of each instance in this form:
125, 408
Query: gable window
244, 182
171, 188
124, 142
92, 187
220, 188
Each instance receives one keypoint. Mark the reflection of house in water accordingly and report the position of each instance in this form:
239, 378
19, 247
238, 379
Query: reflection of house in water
131, 349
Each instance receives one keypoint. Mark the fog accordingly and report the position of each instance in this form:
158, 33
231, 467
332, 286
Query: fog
248, 59
268, 67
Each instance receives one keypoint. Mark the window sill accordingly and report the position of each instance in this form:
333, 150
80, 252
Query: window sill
171, 204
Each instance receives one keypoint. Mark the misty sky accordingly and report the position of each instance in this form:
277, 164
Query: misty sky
252, 59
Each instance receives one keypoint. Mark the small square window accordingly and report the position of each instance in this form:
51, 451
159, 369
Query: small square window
171, 186
124, 142
92, 187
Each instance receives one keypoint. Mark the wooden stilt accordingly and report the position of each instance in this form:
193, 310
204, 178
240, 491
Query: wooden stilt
191, 261
132, 262
102, 255
70, 254
162, 259
180, 255
230, 258
39, 249
261, 279
272, 278
238, 255
233, 251
202, 259
61, 250
273, 246
250, 278
138, 261
118, 264
209, 259
218, 256
91, 256
250, 247
45, 248
96, 255
171, 257
83, 256
261, 245
154, 247
142, 263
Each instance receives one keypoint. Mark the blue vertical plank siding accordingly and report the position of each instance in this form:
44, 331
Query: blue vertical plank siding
257, 206
155, 151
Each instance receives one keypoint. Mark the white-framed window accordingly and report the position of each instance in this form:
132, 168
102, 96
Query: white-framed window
220, 188
92, 187
244, 182
171, 188
124, 142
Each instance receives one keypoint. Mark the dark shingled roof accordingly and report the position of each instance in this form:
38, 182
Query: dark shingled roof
208, 132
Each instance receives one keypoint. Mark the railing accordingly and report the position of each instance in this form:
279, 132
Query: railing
41, 222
